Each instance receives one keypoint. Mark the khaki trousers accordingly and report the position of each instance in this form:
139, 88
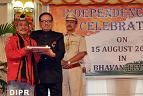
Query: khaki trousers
73, 82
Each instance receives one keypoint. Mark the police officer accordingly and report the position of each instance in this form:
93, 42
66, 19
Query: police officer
49, 66
75, 47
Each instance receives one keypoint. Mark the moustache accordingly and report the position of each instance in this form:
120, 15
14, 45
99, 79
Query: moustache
69, 26
24, 30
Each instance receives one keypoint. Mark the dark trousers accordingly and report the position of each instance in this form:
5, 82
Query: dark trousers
54, 88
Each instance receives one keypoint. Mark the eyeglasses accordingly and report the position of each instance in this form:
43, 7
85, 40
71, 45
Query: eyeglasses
46, 21
71, 21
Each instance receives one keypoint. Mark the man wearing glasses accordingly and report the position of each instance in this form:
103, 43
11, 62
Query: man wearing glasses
49, 66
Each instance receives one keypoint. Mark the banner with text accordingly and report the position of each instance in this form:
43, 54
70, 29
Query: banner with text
117, 46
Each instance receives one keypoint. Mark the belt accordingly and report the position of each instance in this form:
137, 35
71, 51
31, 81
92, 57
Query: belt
73, 66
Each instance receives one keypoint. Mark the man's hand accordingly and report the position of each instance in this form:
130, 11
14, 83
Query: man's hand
27, 49
65, 64
49, 52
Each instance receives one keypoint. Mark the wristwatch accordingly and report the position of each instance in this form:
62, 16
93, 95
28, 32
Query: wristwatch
69, 62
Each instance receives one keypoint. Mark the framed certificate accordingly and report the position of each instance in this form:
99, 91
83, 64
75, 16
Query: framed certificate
39, 48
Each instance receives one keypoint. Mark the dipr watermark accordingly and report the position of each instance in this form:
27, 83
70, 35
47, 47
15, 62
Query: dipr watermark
18, 92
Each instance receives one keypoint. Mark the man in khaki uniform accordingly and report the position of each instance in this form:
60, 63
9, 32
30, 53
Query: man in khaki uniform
75, 47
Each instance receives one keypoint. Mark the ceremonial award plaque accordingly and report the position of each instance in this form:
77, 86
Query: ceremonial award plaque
39, 48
